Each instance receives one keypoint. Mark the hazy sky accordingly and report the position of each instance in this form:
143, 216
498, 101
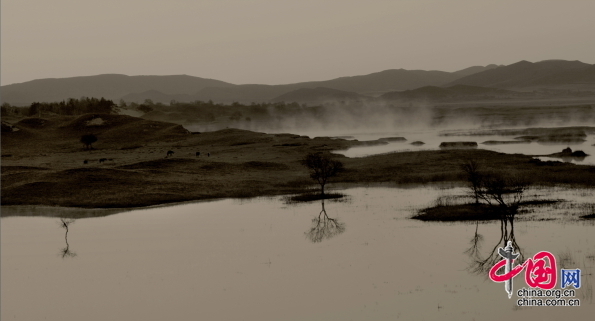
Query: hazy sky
284, 41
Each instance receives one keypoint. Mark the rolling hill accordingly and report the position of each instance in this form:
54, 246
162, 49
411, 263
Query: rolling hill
522, 75
527, 74
387, 80
375, 83
109, 86
188, 88
63, 133
474, 70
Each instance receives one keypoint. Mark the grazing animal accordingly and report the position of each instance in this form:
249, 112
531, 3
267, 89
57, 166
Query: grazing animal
102, 160
170, 153
208, 154
197, 154
85, 161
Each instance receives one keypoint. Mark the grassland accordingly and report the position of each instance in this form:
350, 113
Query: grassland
43, 164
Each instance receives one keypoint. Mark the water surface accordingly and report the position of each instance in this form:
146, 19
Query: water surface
253, 260
433, 138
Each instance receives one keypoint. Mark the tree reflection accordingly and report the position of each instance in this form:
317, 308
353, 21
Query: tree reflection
504, 193
65, 223
324, 227
481, 264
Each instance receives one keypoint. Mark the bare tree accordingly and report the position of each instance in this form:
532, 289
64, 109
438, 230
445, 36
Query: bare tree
504, 191
498, 189
322, 167
474, 177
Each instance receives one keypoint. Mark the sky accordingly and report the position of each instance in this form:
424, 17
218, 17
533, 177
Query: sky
284, 41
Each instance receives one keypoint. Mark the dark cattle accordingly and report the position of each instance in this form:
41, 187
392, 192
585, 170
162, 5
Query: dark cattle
197, 154
170, 153
102, 160
208, 154
85, 161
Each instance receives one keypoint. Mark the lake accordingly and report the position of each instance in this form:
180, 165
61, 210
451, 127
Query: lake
266, 259
433, 138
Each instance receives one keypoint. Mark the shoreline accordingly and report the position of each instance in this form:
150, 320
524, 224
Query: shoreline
48, 167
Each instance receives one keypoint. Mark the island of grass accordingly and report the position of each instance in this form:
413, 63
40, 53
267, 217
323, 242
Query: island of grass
452, 145
468, 212
505, 142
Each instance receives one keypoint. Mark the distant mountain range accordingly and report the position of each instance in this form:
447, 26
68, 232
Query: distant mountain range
524, 74
389, 84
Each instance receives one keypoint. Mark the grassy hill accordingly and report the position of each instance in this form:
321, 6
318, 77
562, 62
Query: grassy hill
62, 134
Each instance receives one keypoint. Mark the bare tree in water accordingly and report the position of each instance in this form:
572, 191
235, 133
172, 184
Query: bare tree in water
322, 167
504, 193
474, 177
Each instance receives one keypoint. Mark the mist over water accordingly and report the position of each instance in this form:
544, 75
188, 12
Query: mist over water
335, 118
360, 117
421, 122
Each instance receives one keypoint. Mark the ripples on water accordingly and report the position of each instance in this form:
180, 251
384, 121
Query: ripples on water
256, 260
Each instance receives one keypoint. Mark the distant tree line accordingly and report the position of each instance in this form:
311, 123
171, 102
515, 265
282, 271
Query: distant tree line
211, 111
71, 106
148, 105
84, 105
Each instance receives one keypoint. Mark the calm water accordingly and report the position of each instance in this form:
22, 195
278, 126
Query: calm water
255, 260
432, 140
